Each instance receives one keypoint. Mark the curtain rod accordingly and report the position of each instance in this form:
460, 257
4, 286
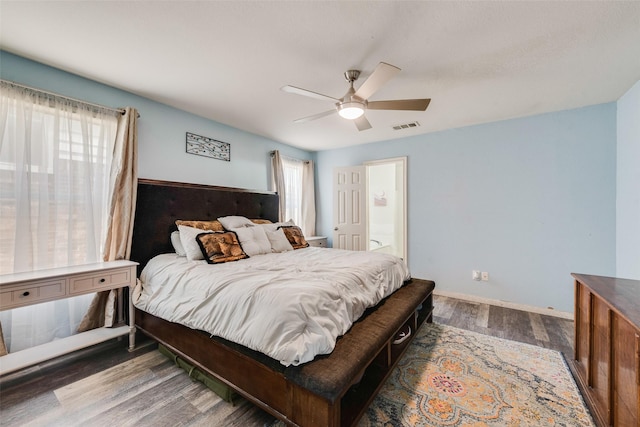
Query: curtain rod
273, 153
68, 98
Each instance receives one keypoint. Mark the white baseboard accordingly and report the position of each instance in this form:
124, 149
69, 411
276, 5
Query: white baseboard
507, 304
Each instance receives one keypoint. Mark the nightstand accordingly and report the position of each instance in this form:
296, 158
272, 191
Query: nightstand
317, 241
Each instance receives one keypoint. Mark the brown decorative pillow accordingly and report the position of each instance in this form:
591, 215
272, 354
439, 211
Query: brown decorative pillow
295, 236
220, 247
261, 221
201, 225
214, 225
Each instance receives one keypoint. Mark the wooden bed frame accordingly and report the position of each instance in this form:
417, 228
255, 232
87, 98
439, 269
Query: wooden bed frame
332, 390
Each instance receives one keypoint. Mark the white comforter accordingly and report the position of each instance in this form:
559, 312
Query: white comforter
290, 306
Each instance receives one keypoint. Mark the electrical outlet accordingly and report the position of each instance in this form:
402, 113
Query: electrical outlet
475, 275
485, 276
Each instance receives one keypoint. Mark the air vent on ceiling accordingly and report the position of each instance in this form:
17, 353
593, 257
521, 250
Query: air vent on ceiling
406, 126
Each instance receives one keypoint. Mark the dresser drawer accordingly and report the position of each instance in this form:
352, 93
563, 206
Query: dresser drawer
32, 294
100, 281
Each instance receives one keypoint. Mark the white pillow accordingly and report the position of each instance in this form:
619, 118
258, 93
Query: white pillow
189, 242
233, 221
253, 240
279, 241
177, 244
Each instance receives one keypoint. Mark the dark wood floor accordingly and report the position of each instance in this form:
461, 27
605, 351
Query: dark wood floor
545, 331
47, 394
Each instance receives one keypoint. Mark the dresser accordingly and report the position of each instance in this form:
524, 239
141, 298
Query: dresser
606, 361
34, 287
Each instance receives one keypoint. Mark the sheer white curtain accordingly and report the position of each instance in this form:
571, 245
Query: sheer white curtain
292, 172
55, 161
293, 179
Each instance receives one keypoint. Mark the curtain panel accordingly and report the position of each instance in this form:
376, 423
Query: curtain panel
123, 184
308, 199
277, 180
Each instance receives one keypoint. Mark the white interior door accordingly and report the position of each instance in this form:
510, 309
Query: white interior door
387, 206
349, 208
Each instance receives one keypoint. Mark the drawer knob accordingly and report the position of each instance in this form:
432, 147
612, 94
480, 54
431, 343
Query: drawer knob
26, 293
103, 280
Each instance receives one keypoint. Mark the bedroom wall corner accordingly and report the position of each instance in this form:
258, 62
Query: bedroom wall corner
628, 185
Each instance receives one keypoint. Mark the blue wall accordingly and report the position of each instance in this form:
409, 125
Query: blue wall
528, 200
162, 131
628, 185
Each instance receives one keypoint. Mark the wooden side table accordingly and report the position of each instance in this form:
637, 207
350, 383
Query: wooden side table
34, 287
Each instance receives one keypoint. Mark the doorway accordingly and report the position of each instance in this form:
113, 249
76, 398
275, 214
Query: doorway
387, 206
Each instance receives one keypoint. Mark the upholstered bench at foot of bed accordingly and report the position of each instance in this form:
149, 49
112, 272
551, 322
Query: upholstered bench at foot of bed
348, 378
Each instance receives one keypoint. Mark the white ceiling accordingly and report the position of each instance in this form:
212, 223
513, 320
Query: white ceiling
478, 61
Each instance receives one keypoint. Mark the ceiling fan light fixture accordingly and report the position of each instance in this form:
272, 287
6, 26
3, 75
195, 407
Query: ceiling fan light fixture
354, 103
350, 110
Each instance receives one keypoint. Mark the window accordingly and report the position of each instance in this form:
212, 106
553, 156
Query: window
55, 162
293, 180
292, 169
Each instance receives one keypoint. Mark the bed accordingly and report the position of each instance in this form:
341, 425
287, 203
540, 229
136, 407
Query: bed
332, 389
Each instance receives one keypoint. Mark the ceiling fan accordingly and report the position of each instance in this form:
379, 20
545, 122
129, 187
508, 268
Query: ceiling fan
353, 104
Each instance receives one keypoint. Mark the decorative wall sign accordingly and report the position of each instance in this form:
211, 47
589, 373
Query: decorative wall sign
207, 147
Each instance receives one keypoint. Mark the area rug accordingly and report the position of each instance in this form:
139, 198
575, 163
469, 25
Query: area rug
454, 377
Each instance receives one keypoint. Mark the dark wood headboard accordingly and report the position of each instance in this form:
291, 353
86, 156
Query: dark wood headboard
161, 203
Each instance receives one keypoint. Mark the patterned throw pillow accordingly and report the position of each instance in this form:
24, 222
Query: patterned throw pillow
220, 247
202, 225
213, 225
261, 221
295, 236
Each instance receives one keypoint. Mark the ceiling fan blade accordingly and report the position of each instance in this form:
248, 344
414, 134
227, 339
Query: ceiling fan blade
362, 123
382, 74
311, 94
315, 116
400, 104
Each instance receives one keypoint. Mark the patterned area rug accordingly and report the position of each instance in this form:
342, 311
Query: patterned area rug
453, 377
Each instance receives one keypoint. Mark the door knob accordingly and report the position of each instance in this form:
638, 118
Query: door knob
335, 229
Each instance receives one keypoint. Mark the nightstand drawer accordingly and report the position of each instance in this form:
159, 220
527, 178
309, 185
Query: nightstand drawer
100, 281
32, 294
